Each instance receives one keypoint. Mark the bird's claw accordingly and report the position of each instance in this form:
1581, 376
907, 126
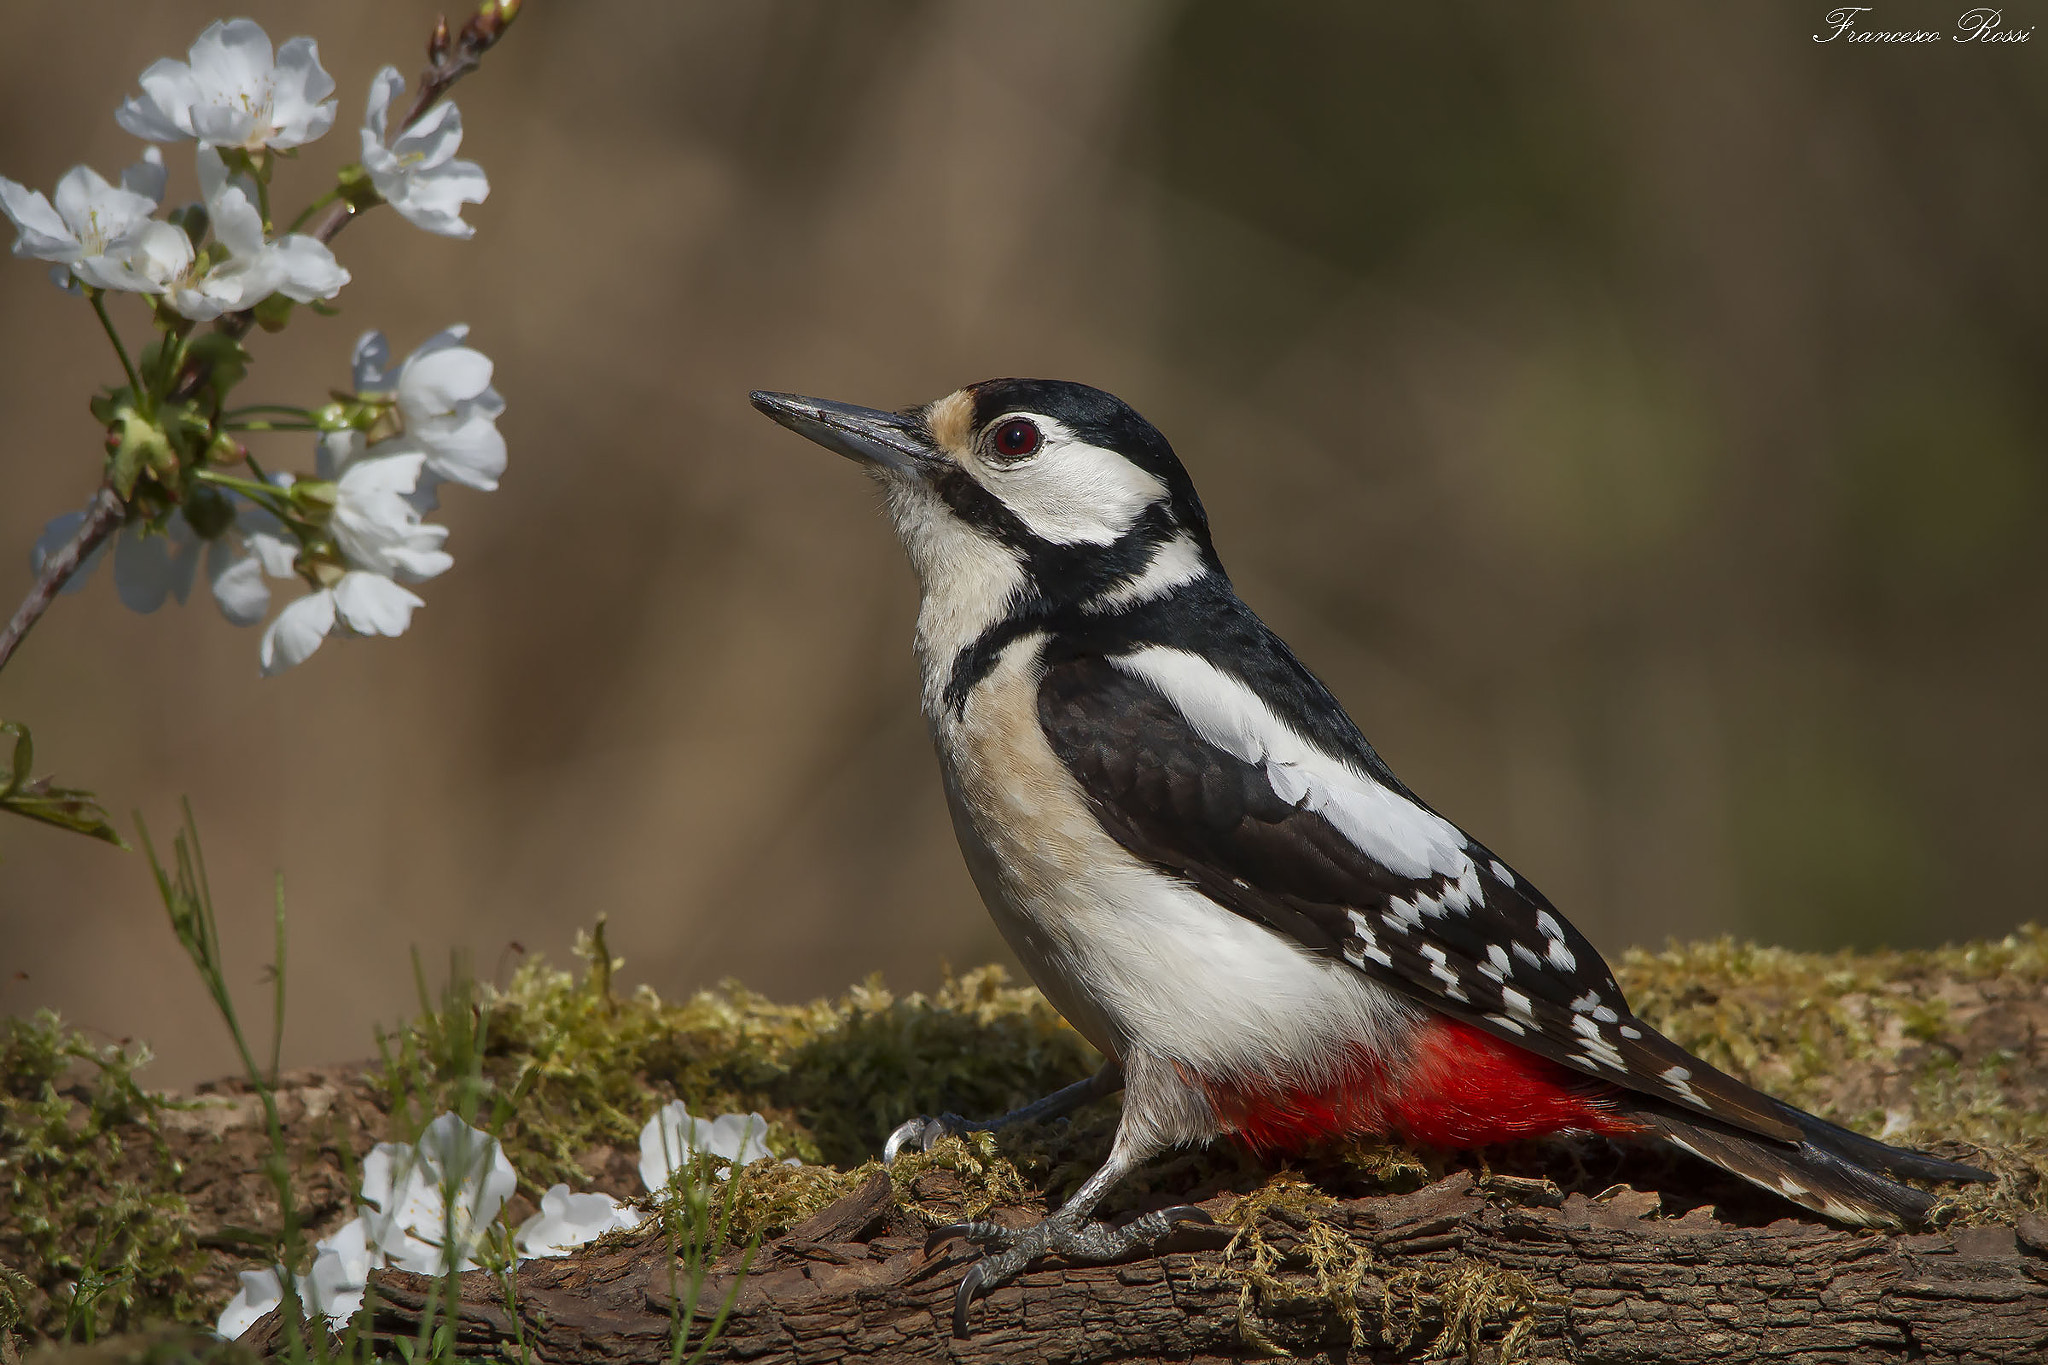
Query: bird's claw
1013, 1249
981, 1234
921, 1134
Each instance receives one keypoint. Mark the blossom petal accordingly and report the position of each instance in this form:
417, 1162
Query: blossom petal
385, 86
232, 70
472, 454
300, 85
233, 212
42, 232
279, 555
309, 269
238, 587
147, 176
79, 194
370, 362
567, 1221
261, 1292
163, 111
371, 604
291, 640
382, 473
431, 141
451, 1158
142, 570
433, 383
666, 1142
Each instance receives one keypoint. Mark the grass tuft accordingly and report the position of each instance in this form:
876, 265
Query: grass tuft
94, 1236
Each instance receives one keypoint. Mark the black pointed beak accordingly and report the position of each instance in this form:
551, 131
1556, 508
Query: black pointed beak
885, 439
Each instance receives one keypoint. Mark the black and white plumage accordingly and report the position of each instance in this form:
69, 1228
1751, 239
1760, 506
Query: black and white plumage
1210, 872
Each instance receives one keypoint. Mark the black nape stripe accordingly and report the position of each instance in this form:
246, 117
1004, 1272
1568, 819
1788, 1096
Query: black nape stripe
1063, 580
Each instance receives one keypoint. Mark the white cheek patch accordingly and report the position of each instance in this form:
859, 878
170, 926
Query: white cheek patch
1070, 492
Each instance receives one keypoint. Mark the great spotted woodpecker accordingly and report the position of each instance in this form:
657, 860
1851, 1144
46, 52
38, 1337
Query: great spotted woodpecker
1210, 872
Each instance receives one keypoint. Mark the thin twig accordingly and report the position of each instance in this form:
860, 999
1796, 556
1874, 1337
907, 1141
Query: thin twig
102, 519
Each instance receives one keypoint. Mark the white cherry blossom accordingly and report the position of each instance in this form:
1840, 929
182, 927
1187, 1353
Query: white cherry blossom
672, 1136
376, 528
417, 174
95, 229
233, 93
297, 266
341, 1271
447, 408
334, 1287
567, 1221
405, 1185
362, 603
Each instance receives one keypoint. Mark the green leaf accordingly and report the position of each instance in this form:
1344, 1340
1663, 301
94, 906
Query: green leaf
38, 799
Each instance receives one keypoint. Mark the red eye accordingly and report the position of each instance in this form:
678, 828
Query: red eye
1016, 438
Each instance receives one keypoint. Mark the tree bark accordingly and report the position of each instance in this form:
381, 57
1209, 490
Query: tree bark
1452, 1269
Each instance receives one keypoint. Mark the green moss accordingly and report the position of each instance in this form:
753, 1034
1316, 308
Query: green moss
1931, 1048
976, 1178
94, 1236
583, 1068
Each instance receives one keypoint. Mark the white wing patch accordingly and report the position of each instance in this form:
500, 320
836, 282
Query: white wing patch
1384, 825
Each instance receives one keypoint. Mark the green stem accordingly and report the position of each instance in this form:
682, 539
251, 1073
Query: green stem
98, 297
263, 190
270, 426
269, 498
307, 212
232, 413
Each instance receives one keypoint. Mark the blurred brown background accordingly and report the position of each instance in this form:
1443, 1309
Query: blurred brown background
1635, 413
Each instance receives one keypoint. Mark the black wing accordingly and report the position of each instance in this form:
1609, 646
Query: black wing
1482, 945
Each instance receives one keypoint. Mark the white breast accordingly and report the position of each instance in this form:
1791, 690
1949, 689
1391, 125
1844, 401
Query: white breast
1135, 959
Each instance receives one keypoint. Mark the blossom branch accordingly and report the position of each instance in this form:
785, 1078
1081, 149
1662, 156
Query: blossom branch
102, 518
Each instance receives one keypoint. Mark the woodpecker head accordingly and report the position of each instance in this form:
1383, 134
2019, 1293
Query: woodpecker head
1021, 497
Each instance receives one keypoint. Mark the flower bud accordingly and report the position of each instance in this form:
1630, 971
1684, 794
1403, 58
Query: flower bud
135, 445
209, 511
224, 449
273, 313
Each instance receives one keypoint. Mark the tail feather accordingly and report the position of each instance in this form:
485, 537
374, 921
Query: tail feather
1865, 1151
1821, 1172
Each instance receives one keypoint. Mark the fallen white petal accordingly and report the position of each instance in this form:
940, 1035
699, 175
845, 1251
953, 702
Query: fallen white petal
261, 1292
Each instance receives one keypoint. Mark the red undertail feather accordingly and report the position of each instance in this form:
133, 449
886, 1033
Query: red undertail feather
1458, 1087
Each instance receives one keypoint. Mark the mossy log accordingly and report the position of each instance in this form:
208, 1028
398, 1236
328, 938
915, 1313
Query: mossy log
1554, 1251
1450, 1269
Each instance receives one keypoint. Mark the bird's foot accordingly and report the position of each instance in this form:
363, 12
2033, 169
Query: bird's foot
1010, 1250
922, 1133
